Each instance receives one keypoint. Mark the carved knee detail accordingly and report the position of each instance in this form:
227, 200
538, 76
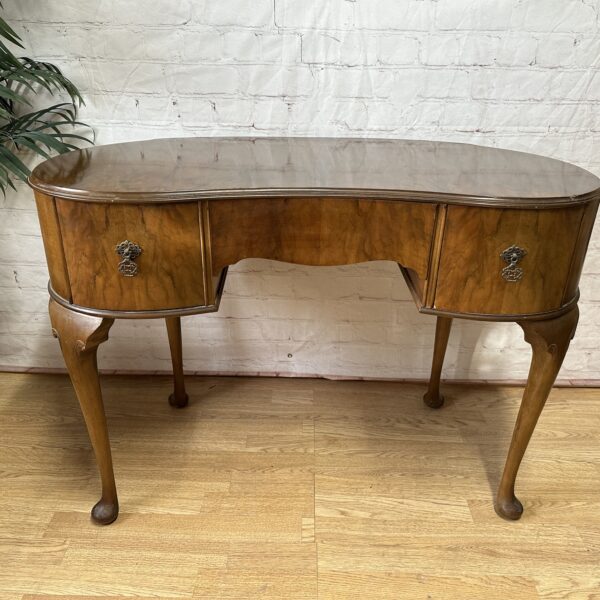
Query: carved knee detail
81, 333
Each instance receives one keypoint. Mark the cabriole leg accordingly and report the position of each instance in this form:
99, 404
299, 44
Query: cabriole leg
79, 336
549, 343
433, 398
178, 398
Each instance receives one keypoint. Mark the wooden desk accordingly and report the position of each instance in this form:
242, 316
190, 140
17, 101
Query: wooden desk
148, 229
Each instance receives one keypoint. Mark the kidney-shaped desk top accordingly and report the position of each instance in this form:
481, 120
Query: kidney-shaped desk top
194, 168
148, 229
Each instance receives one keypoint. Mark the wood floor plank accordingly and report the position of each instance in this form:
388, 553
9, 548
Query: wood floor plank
473, 554
270, 570
335, 585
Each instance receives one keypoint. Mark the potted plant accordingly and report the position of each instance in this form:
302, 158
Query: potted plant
23, 128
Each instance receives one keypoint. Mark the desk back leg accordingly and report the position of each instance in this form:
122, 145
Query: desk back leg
178, 398
549, 342
433, 398
79, 336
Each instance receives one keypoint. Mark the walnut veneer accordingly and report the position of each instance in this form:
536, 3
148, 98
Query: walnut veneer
148, 229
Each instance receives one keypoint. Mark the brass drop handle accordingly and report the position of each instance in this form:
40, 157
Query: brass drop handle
512, 256
128, 251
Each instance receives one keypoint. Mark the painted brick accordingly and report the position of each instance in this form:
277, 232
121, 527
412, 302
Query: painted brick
345, 48
270, 114
555, 51
206, 79
474, 14
407, 15
200, 46
464, 115
355, 83
517, 49
594, 88
314, 14
47, 41
258, 13
568, 51
281, 47
261, 47
278, 81
69, 11
234, 112
157, 12
467, 50
555, 16
100, 75
541, 116
445, 83
508, 84
194, 111
358, 48
397, 50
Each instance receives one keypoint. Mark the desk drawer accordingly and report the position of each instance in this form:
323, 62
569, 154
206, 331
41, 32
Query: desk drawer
321, 231
473, 276
167, 273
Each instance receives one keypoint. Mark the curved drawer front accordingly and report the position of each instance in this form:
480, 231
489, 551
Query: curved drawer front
321, 231
161, 268
506, 261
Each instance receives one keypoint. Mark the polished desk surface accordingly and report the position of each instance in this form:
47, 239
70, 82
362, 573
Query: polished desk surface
194, 168
148, 230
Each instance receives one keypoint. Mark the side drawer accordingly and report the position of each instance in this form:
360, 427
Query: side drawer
168, 273
471, 277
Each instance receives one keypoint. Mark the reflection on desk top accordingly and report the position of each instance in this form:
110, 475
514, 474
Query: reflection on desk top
182, 169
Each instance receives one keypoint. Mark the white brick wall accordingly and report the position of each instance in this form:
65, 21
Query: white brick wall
515, 74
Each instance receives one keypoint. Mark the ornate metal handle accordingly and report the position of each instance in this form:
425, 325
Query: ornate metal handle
512, 256
128, 251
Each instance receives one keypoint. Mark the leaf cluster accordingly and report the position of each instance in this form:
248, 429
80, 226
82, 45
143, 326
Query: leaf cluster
42, 131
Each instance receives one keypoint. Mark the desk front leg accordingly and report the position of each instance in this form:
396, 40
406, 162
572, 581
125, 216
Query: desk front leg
433, 398
178, 398
79, 336
549, 343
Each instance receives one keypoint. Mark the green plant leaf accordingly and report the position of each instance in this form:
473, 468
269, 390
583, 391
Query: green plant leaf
13, 163
8, 33
6, 92
43, 131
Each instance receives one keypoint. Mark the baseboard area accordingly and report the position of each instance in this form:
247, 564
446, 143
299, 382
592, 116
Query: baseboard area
591, 383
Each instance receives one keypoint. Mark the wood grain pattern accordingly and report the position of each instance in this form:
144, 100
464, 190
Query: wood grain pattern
53, 247
321, 231
469, 279
399, 496
170, 266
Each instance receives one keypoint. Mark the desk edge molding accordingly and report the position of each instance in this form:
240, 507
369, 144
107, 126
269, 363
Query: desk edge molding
350, 193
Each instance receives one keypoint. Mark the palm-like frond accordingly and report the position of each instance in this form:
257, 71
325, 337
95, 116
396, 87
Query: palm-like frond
40, 131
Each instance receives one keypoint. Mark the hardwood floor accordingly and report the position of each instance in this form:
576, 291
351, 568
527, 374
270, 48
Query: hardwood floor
296, 488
